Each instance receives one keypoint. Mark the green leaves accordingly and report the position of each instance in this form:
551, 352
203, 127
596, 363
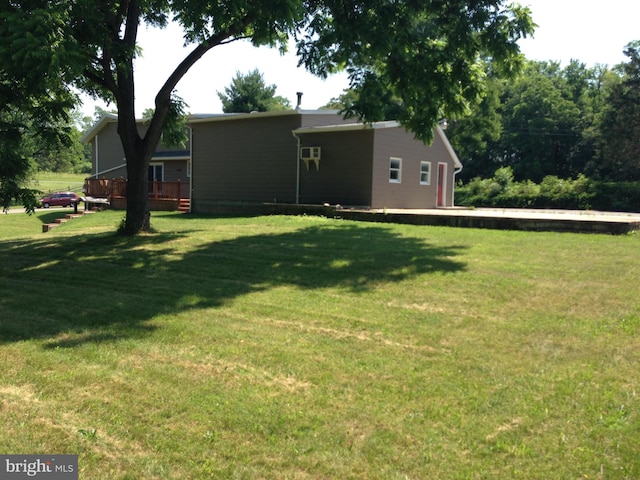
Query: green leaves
249, 93
621, 121
542, 122
427, 54
175, 125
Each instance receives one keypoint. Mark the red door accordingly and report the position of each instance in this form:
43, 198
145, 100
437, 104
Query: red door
442, 184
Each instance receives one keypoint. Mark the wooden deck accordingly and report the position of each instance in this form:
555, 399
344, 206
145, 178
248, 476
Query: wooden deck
162, 195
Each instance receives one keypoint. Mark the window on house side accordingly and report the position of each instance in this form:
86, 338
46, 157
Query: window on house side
395, 170
425, 173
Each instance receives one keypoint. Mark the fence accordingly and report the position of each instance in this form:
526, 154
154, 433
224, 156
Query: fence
117, 187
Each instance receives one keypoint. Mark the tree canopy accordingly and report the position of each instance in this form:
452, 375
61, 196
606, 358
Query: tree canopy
545, 121
621, 121
34, 113
425, 53
249, 93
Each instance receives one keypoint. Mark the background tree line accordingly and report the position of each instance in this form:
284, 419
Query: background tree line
547, 121
556, 121
555, 138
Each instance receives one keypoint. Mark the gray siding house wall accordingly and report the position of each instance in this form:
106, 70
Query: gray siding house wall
107, 155
356, 163
254, 158
248, 158
344, 172
244, 159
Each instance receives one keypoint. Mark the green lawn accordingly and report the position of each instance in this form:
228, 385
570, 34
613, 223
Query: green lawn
49, 182
309, 348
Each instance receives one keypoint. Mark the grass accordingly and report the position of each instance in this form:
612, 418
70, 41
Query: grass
49, 182
308, 348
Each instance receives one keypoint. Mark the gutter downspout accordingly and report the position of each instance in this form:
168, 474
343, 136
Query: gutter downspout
453, 187
190, 169
297, 167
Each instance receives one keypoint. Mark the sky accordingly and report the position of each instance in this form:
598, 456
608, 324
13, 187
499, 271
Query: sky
588, 31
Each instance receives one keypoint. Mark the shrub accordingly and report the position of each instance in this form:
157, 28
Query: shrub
553, 192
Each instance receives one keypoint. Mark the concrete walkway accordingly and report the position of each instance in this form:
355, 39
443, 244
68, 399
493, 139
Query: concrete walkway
584, 215
495, 218
510, 218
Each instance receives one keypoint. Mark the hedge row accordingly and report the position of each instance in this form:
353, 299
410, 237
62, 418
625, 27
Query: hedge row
580, 194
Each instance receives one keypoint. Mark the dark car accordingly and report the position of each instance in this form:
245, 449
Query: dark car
59, 199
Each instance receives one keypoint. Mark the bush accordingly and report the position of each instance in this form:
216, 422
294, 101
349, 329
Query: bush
617, 196
553, 192
84, 167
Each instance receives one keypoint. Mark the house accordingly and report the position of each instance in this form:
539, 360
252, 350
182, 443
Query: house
292, 157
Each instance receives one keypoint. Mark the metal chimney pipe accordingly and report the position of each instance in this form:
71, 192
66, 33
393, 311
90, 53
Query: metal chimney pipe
299, 94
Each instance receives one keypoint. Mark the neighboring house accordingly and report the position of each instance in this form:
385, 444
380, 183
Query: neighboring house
107, 155
295, 157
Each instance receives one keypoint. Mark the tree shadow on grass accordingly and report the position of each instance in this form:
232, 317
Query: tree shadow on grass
96, 288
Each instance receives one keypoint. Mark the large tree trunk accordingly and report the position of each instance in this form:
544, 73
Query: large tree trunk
139, 150
138, 215
138, 154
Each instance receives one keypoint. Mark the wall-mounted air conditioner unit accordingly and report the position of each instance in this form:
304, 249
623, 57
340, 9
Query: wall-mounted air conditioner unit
312, 154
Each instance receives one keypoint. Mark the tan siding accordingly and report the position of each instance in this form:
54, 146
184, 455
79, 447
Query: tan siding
254, 158
396, 142
344, 176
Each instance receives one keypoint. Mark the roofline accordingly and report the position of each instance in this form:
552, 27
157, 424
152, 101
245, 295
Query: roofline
345, 127
206, 117
225, 117
219, 117
445, 140
99, 125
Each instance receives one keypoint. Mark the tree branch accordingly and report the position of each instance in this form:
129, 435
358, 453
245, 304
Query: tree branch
163, 98
222, 38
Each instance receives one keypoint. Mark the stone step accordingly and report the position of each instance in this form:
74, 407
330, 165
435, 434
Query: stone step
47, 227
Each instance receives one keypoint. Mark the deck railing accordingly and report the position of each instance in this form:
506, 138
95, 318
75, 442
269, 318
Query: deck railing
117, 187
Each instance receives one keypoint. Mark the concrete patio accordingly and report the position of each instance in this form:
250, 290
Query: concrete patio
588, 221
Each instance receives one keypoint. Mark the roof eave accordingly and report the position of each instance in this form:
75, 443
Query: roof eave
447, 144
346, 127
225, 117
99, 125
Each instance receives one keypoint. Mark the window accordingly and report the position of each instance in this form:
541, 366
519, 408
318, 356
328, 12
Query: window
395, 170
425, 173
156, 172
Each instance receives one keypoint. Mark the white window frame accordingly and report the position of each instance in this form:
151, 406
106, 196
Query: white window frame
397, 170
426, 172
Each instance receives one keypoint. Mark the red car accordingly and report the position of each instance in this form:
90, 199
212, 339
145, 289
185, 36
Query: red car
59, 199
